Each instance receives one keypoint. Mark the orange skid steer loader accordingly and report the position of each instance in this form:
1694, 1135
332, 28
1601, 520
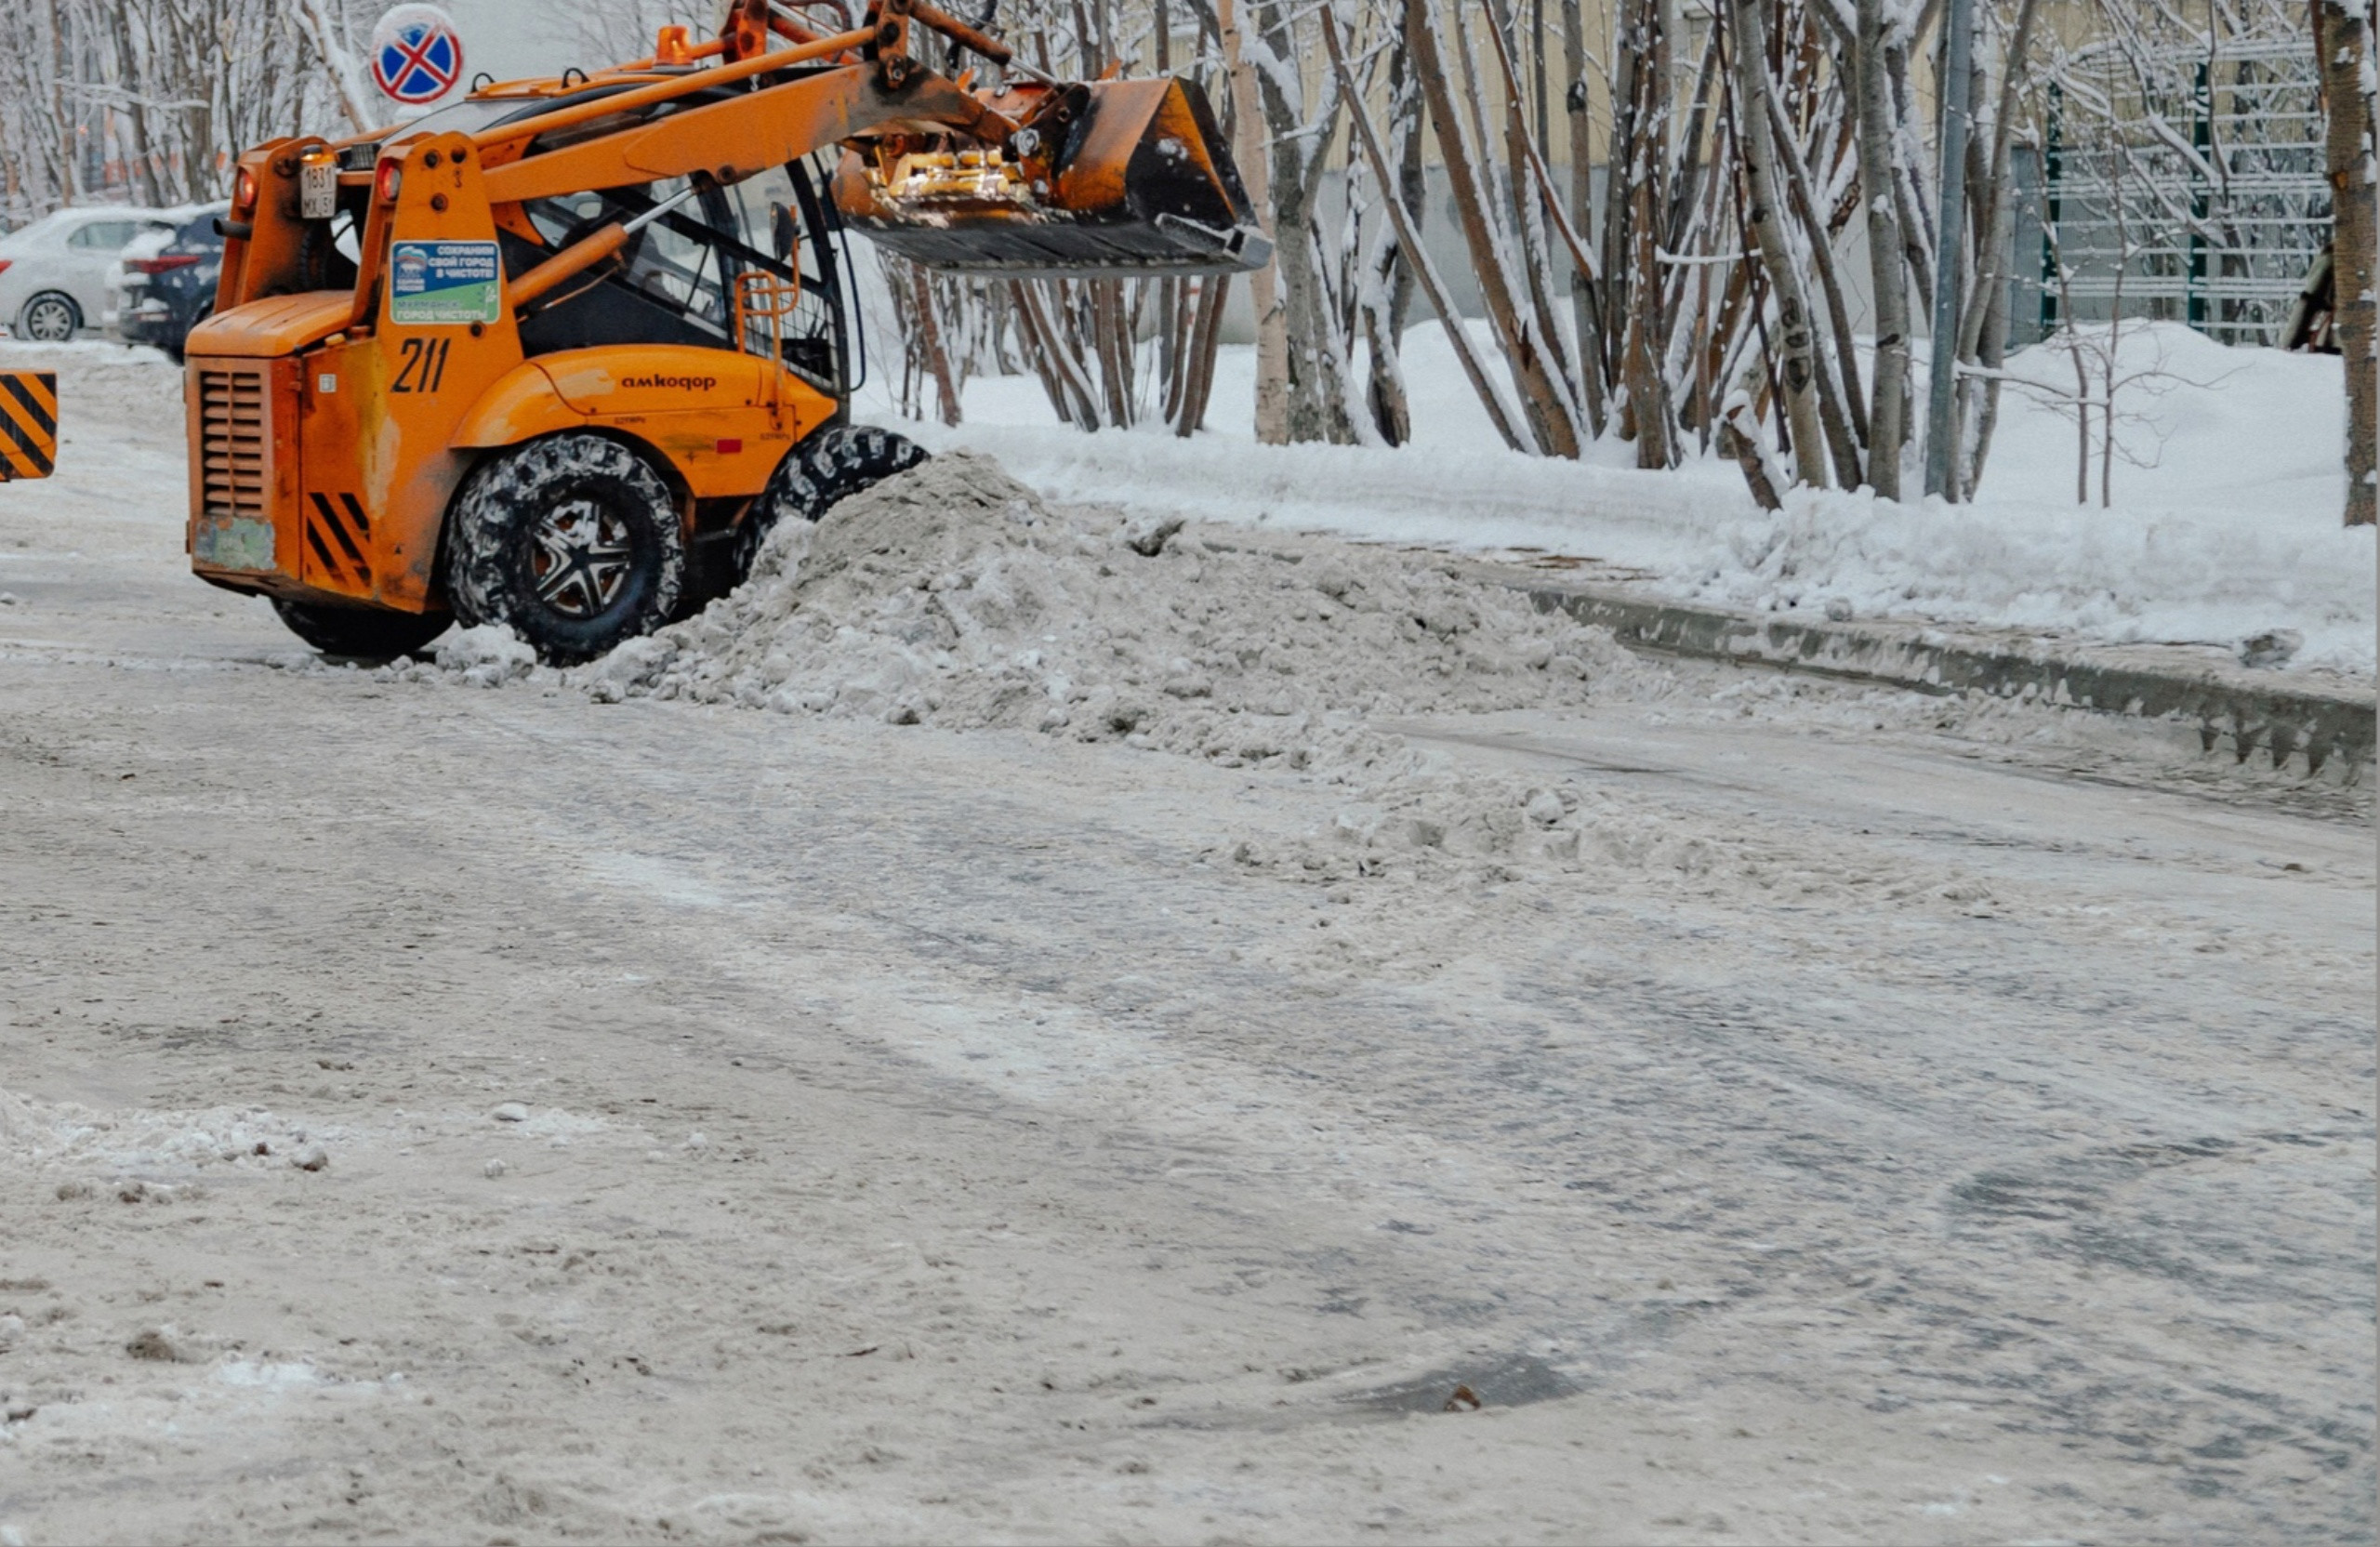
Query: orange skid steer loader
558, 356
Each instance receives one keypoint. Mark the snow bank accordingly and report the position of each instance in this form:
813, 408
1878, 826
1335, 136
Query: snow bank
2230, 528
953, 595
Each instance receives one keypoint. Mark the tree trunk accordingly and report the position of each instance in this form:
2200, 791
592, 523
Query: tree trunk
1409, 234
1887, 256
1535, 202
1585, 312
930, 339
2343, 41
1318, 403
1549, 415
1840, 411
1985, 340
1263, 286
1199, 376
1619, 163
1385, 292
1796, 343
1649, 397
1739, 437
1053, 356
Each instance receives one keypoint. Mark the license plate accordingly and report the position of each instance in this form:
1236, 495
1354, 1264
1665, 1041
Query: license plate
318, 188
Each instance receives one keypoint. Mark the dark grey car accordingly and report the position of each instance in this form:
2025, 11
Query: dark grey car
170, 291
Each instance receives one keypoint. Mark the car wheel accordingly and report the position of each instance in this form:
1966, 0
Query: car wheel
361, 633
573, 541
49, 318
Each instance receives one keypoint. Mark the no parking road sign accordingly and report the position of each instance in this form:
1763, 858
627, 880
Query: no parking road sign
416, 54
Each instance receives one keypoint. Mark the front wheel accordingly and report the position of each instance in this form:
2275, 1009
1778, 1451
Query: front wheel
829, 468
361, 633
49, 318
572, 541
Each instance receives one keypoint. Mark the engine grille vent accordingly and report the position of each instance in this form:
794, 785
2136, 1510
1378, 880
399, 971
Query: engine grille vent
233, 436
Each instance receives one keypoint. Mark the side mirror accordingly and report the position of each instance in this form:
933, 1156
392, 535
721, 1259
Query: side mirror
784, 232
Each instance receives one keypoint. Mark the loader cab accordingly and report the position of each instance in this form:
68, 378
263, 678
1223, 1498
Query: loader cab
673, 283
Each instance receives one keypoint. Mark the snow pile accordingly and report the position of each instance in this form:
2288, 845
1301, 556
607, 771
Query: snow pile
487, 656
2228, 491
144, 1140
952, 595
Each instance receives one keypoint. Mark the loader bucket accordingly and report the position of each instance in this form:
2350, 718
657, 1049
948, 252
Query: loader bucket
1107, 177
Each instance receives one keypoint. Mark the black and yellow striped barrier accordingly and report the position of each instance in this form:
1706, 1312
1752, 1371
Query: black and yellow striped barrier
28, 424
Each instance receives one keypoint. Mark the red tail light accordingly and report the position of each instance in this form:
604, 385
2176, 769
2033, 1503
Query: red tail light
161, 265
244, 190
4, 264
384, 187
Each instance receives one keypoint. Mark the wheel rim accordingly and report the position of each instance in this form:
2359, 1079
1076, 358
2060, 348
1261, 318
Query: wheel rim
580, 558
50, 321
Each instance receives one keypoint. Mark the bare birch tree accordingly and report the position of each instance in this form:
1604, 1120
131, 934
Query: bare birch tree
1265, 285
2342, 44
149, 100
1797, 345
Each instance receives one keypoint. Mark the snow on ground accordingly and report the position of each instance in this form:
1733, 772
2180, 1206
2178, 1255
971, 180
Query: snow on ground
2232, 529
952, 595
1798, 1113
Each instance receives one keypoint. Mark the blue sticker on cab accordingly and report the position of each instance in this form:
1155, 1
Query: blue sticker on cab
433, 282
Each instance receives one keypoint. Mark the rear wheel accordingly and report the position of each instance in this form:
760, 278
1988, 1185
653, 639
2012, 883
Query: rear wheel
573, 541
361, 633
829, 467
49, 318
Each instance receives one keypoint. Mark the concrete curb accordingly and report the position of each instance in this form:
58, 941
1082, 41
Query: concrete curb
2312, 724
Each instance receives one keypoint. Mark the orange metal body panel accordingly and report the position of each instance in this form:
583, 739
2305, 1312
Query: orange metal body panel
359, 443
268, 329
243, 472
716, 417
272, 258
521, 406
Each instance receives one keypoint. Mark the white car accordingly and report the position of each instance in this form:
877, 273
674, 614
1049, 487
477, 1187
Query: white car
53, 273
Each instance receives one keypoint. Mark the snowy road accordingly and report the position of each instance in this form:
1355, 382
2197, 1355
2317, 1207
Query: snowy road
1888, 1132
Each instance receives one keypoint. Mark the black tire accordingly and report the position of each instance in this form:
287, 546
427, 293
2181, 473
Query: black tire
829, 468
573, 541
361, 633
49, 318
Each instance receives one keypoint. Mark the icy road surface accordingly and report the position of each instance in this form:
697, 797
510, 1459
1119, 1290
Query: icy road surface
739, 1126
